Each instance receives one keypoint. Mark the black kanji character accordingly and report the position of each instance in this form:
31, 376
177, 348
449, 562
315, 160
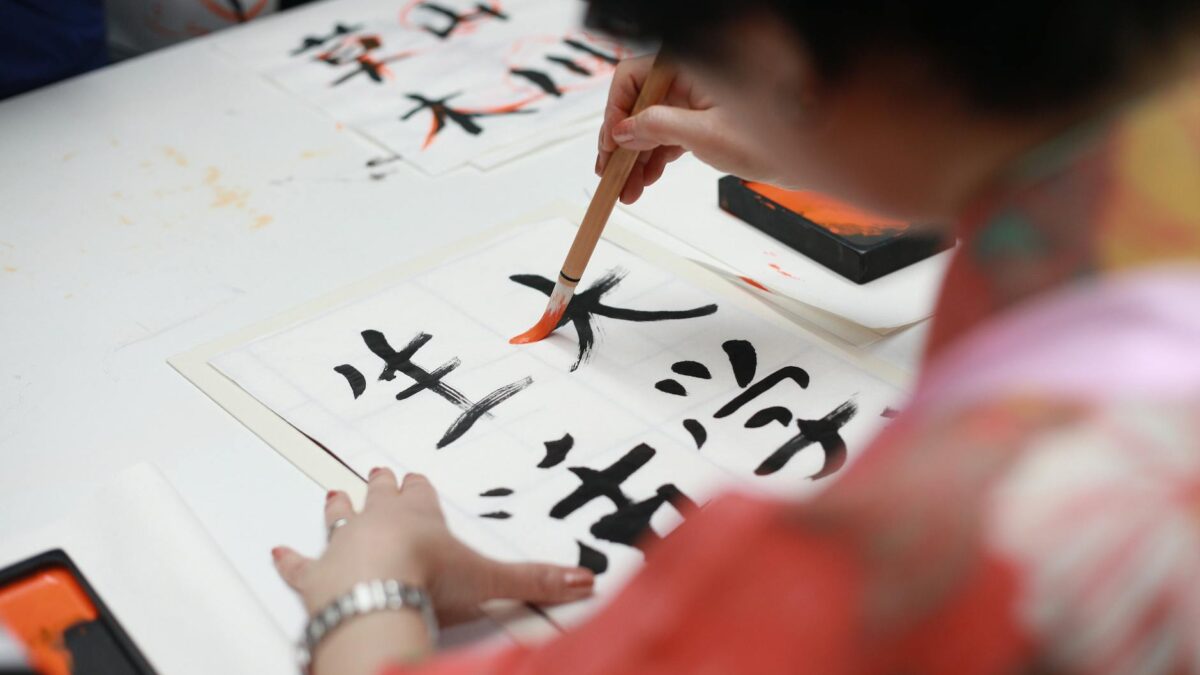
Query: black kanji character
585, 306
556, 451
540, 79
824, 432
610, 59
312, 41
744, 361
358, 51
463, 117
423, 380
544, 81
455, 19
630, 523
358, 383
592, 559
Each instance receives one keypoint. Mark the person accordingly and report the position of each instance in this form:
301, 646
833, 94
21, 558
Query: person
137, 27
1036, 505
43, 41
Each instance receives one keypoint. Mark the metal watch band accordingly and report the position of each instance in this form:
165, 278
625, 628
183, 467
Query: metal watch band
364, 597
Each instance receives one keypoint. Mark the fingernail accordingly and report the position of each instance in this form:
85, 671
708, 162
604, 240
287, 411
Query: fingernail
580, 578
374, 472
622, 136
330, 495
276, 552
597, 165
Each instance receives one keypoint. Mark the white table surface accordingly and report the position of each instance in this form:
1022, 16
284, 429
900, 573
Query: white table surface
166, 201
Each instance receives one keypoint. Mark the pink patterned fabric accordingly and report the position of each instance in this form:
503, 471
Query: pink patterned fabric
1125, 336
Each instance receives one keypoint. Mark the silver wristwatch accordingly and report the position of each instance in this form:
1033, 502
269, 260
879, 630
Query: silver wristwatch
364, 597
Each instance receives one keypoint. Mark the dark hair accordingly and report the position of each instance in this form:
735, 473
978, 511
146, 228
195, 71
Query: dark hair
1005, 55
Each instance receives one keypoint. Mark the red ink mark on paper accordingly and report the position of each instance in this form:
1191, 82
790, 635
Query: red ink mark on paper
755, 284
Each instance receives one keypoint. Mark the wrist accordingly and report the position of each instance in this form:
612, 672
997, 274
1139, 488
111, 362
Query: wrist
371, 642
409, 607
334, 585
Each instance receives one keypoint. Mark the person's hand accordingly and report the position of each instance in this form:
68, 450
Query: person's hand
687, 120
401, 534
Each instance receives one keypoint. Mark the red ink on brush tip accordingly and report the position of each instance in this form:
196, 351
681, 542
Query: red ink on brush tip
585, 306
544, 327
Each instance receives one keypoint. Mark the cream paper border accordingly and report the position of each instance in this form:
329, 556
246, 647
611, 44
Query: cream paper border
523, 624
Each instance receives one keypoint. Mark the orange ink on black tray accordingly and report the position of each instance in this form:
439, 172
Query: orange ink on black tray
837, 217
61, 623
42, 609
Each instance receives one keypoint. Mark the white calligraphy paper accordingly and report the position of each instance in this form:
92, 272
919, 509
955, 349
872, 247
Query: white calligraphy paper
440, 82
680, 396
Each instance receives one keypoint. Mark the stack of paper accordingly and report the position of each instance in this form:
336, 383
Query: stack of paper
442, 83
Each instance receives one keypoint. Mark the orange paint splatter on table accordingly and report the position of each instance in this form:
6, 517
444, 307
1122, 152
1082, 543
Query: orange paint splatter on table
222, 195
225, 196
175, 156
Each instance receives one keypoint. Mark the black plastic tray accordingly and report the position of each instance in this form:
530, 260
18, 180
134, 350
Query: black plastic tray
859, 258
100, 647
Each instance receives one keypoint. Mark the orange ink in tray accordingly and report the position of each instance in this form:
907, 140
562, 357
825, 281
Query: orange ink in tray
39, 609
833, 215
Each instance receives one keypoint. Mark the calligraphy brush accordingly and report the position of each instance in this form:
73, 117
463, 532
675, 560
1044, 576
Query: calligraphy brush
612, 182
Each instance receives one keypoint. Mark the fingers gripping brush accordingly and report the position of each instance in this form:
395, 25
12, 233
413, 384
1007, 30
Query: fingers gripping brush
612, 182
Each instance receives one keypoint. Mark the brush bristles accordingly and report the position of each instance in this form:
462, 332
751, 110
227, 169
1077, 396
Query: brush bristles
559, 299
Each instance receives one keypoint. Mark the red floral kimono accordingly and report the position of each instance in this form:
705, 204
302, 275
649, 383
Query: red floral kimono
1037, 505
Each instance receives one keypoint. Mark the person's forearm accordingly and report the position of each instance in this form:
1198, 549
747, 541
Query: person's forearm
364, 645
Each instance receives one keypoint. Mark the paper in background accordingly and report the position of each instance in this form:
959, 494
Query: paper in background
164, 579
138, 26
476, 71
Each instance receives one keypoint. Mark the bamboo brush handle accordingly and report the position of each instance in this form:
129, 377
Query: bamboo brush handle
612, 182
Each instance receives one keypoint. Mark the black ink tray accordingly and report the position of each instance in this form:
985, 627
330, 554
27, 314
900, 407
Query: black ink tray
51, 581
861, 255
